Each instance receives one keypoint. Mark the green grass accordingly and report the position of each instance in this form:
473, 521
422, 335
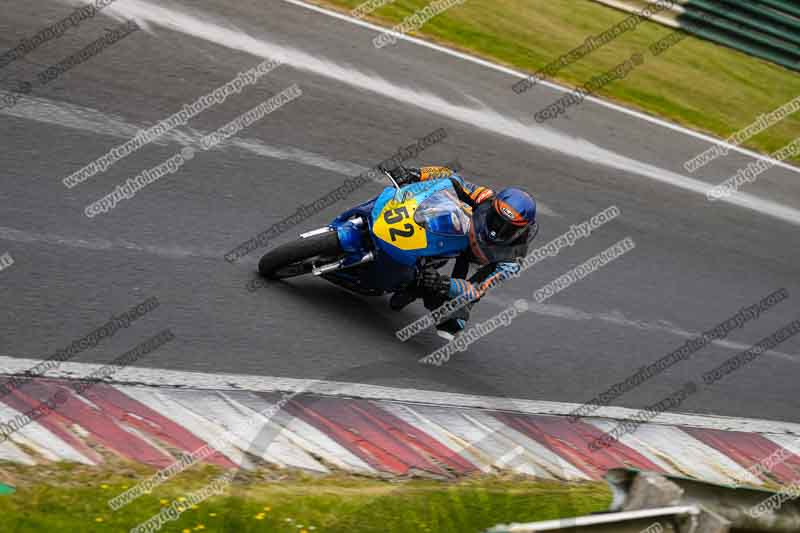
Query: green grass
68, 498
696, 83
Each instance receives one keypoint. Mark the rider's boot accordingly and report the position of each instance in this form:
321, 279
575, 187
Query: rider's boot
450, 328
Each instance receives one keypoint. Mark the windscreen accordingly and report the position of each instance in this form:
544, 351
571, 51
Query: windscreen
441, 213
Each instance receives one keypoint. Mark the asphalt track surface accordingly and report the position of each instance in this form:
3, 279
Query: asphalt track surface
695, 263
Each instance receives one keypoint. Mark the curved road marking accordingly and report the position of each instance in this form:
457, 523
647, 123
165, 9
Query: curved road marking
483, 117
552, 85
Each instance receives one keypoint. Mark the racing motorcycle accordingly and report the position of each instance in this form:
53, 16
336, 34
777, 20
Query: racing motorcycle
381, 245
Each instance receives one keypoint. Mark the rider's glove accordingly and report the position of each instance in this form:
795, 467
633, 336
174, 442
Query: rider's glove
403, 175
434, 283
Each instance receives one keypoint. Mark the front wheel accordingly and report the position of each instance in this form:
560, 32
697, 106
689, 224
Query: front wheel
297, 258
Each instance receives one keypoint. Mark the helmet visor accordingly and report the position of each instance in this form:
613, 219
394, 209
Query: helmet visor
500, 229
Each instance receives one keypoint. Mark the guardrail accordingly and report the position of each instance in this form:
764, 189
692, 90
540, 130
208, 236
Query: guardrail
768, 29
645, 502
658, 520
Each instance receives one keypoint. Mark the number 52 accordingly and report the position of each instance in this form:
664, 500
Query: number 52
394, 216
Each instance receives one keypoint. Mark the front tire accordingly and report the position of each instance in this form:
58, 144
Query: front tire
296, 258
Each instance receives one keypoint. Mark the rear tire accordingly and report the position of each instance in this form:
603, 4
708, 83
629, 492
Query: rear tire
294, 258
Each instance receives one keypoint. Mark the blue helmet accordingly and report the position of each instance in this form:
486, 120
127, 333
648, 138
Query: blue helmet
513, 211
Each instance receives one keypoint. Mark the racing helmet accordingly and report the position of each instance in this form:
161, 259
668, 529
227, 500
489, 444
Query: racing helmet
513, 211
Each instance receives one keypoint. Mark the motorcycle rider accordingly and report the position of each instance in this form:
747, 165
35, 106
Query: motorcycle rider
502, 225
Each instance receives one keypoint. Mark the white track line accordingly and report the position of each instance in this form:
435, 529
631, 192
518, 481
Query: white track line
204, 381
100, 244
87, 119
203, 26
552, 85
159, 377
565, 312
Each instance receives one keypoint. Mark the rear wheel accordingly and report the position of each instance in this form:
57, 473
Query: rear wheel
298, 257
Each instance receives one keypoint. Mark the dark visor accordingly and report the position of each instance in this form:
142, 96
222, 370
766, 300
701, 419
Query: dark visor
501, 229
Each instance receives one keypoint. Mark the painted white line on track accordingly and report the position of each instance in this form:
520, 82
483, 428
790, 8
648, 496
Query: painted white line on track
222, 382
565, 312
550, 84
202, 26
81, 118
99, 244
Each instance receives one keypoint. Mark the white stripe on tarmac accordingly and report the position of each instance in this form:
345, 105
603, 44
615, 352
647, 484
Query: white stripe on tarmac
481, 116
550, 84
565, 312
99, 244
86, 119
223, 382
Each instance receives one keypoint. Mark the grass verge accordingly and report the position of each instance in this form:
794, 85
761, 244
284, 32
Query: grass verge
696, 83
65, 498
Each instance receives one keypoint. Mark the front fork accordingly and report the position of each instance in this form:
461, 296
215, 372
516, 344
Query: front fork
351, 235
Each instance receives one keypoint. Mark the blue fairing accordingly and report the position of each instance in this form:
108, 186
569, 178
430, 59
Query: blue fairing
439, 245
392, 266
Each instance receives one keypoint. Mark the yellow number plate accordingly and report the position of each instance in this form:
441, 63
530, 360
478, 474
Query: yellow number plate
396, 226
